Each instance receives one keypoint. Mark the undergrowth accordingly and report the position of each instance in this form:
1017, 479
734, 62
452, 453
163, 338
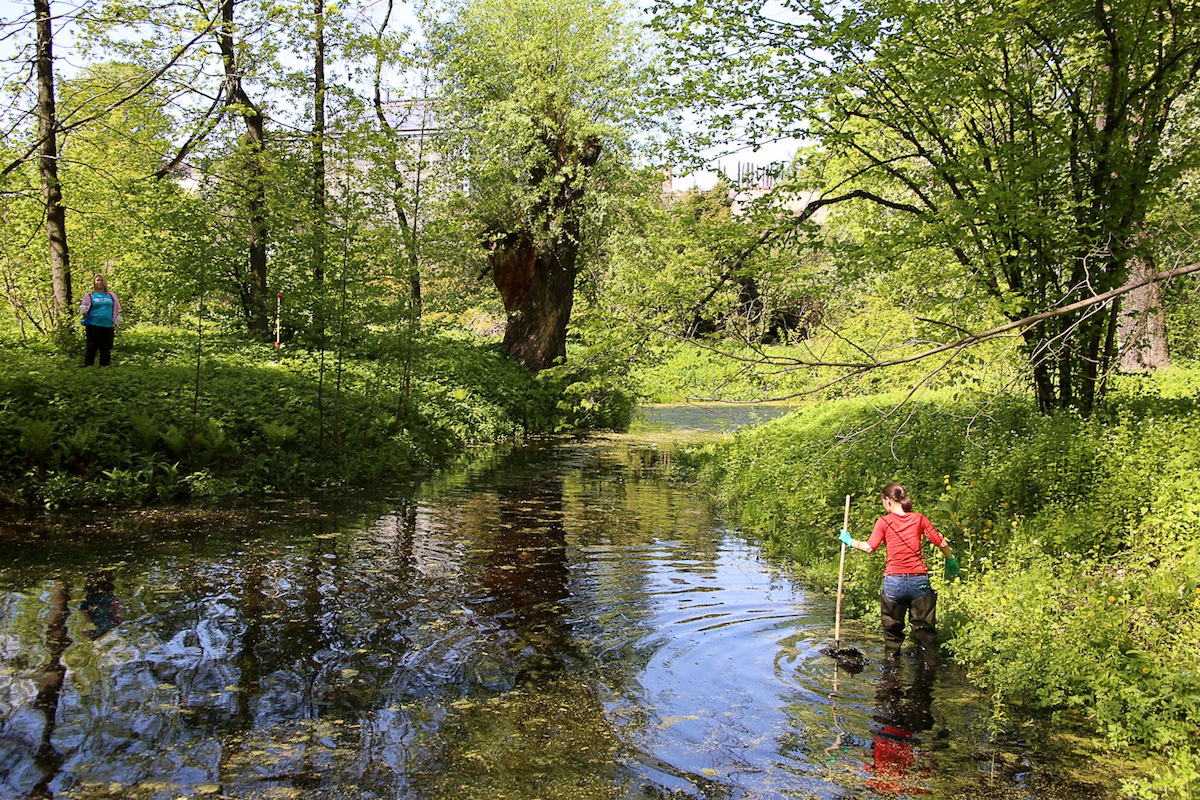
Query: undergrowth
1079, 539
242, 419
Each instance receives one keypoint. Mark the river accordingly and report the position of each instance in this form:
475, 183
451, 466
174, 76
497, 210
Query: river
552, 620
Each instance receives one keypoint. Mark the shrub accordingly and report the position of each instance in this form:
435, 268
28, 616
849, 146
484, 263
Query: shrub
1080, 541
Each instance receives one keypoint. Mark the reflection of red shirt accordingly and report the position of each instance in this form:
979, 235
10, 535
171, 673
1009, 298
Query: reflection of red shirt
901, 534
896, 770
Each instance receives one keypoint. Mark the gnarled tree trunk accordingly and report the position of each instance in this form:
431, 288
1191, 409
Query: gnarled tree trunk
536, 278
538, 288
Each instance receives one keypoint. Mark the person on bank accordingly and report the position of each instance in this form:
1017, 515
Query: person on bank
906, 589
101, 314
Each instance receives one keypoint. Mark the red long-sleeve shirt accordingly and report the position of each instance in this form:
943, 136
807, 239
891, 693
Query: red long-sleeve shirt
901, 534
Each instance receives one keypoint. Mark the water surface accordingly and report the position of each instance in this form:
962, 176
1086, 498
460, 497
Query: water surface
550, 620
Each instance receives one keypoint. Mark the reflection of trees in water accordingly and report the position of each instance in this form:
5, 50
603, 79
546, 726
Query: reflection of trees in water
526, 576
50, 683
437, 645
541, 728
293, 709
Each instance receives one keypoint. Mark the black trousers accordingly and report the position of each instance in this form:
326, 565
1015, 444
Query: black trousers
99, 340
922, 615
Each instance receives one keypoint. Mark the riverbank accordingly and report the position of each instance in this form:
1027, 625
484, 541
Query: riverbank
224, 418
1080, 593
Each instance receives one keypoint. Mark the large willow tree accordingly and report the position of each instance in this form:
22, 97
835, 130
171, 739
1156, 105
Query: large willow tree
1024, 144
540, 96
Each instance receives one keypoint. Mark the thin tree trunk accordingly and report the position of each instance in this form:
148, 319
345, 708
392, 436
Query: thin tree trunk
318, 155
409, 223
254, 294
1090, 376
259, 321
56, 214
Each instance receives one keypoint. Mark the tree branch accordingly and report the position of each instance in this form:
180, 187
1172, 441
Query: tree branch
778, 232
143, 86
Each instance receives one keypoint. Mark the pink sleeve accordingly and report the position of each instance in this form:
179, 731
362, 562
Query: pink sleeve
116, 308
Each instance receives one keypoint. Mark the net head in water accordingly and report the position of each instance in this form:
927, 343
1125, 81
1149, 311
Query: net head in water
850, 659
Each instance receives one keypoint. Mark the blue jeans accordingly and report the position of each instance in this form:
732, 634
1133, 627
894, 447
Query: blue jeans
903, 589
909, 596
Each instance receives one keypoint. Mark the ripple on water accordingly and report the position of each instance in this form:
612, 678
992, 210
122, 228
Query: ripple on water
728, 645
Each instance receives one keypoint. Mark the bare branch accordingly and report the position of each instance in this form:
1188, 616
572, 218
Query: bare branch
143, 86
206, 125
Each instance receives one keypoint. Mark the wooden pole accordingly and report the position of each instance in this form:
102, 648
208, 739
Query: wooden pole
837, 625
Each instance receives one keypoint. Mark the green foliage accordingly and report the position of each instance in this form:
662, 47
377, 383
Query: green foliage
532, 87
35, 438
943, 146
139, 432
1111, 641
1182, 308
1079, 540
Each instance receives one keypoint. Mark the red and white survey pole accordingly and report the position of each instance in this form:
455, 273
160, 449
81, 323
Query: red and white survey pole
278, 306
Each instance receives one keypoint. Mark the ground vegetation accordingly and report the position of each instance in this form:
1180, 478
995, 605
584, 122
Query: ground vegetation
1080, 590
228, 420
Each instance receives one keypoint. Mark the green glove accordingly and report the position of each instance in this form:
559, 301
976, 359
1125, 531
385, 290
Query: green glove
844, 538
951, 568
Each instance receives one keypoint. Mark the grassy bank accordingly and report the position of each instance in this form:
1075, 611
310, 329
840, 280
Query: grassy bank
242, 419
712, 370
1080, 593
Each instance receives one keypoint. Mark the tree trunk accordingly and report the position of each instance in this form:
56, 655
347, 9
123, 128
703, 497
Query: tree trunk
56, 214
1090, 373
1142, 327
254, 291
537, 281
538, 289
318, 155
259, 322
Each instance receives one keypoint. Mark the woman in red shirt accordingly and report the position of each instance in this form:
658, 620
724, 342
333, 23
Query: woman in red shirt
906, 588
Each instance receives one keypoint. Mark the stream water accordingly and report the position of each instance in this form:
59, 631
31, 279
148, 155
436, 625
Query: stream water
552, 620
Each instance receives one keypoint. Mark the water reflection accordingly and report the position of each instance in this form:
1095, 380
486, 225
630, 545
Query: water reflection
901, 762
101, 605
544, 621
50, 678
